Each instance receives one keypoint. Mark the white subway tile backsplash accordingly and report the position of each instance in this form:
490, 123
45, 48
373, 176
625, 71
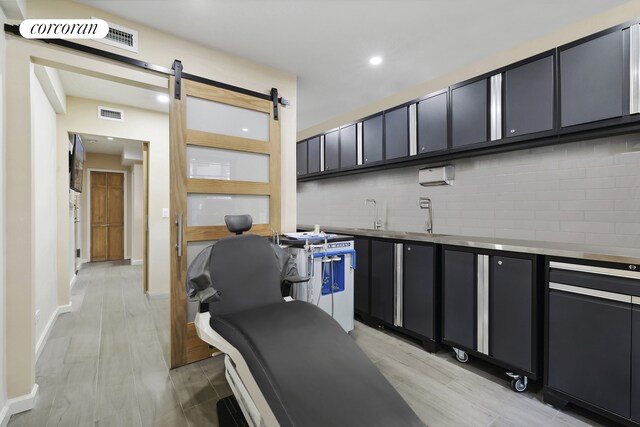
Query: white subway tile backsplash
581, 192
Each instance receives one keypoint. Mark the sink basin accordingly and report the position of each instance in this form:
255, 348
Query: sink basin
398, 234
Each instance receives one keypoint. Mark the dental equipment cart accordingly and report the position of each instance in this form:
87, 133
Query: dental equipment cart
330, 264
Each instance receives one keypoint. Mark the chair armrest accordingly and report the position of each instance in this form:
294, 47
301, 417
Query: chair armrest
297, 279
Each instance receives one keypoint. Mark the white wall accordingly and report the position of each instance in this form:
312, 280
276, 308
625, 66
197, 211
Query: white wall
137, 219
3, 378
582, 192
44, 192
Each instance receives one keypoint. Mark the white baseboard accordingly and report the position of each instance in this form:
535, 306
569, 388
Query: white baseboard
17, 405
47, 330
73, 281
84, 261
4, 416
157, 295
67, 308
137, 262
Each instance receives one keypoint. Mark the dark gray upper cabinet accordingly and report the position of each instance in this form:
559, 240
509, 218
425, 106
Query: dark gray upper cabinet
348, 146
432, 124
372, 133
510, 311
529, 98
469, 114
331, 151
301, 158
313, 154
635, 368
396, 133
592, 80
419, 303
459, 292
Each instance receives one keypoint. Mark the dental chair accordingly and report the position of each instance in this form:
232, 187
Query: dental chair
288, 362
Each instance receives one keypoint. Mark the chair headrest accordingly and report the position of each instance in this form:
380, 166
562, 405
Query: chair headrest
238, 223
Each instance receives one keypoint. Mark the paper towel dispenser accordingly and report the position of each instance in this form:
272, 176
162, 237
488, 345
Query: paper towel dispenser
442, 175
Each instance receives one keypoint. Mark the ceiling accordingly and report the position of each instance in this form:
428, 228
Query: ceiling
327, 43
101, 144
85, 86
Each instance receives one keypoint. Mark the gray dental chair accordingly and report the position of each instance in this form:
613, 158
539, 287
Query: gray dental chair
288, 362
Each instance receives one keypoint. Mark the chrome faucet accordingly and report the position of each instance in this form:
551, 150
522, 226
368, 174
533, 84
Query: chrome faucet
377, 223
425, 203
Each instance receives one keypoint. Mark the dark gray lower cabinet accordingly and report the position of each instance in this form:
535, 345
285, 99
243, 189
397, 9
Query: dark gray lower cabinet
459, 294
418, 289
510, 311
382, 275
589, 350
331, 151
361, 277
635, 367
301, 158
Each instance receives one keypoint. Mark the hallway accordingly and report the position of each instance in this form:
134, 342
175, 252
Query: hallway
104, 362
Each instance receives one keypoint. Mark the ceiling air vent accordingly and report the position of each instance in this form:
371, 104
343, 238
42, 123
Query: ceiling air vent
122, 37
110, 114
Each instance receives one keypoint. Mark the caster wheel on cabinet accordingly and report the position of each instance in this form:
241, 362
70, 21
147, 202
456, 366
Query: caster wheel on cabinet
518, 385
461, 356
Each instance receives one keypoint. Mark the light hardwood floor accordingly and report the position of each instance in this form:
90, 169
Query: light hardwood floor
105, 365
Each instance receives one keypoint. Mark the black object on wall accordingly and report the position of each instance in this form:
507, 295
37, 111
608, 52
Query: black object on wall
372, 142
469, 113
432, 124
332, 150
348, 146
396, 133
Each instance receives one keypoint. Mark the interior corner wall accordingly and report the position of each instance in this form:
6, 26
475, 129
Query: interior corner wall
43, 134
3, 377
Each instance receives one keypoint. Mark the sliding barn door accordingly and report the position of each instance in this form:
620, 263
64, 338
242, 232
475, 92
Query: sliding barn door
225, 159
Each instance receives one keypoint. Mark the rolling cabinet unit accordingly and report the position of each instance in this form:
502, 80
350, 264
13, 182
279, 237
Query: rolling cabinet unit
397, 288
362, 279
490, 302
592, 352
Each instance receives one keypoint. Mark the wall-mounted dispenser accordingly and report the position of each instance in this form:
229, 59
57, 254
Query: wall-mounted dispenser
442, 175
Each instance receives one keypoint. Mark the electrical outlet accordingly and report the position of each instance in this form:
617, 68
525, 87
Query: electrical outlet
37, 316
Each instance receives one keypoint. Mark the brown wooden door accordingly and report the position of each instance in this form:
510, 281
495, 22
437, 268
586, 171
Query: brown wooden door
107, 216
225, 159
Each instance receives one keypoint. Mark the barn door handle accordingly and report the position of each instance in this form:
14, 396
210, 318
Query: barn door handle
179, 244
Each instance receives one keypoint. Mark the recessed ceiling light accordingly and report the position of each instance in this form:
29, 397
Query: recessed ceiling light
245, 130
110, 138
162, 98
375, 60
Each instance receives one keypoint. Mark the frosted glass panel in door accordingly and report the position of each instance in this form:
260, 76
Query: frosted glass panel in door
215, 163
210, 209
224, 119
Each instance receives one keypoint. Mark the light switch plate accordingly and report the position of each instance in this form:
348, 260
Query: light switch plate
165, 212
